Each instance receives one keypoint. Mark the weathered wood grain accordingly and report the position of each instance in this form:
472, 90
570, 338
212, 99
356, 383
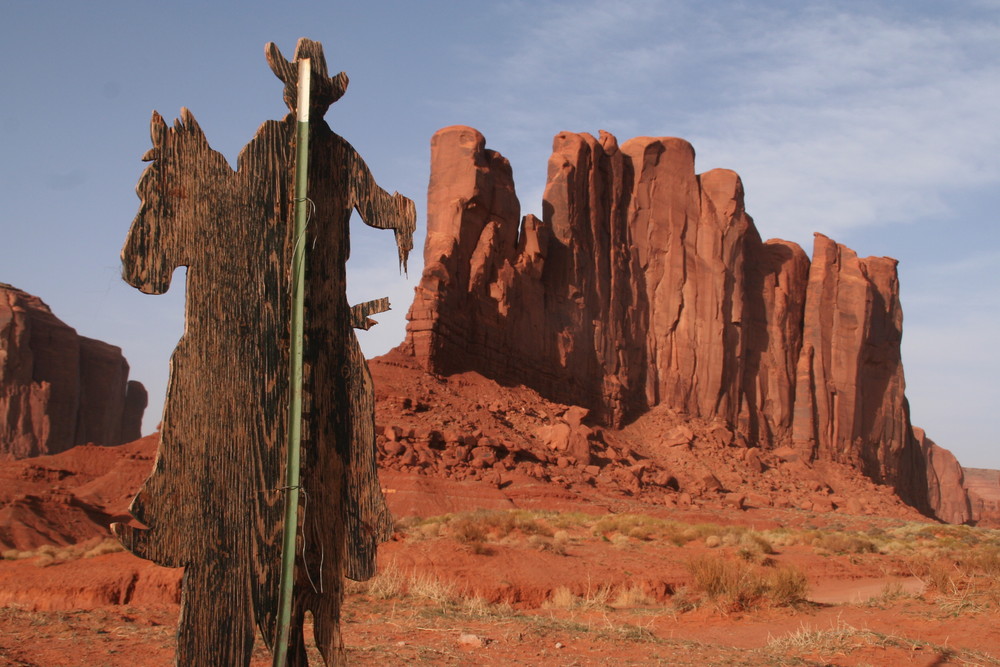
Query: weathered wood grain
213, 503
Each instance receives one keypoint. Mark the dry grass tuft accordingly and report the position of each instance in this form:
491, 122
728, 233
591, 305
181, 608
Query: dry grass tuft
48, 554
632, 596
561, 598
844, 543
736, 585
787, 586
564, 598
843, 639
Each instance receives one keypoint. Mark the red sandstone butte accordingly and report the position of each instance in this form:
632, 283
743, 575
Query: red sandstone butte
646, 284
59, 389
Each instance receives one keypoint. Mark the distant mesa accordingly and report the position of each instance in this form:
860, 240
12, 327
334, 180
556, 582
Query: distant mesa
59, 389
645, 284
984, 495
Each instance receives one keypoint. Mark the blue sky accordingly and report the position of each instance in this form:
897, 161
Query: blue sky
872, 122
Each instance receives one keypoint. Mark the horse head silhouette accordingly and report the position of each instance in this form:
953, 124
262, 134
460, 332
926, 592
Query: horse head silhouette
183, 172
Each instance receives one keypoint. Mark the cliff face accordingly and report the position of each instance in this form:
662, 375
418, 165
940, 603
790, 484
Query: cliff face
947, 491
647, 284
984, 495
849, 400
58, 389
628, 294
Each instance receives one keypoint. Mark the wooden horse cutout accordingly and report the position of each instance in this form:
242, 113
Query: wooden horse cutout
213, 503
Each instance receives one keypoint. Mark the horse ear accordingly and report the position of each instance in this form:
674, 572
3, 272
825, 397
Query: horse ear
282, 69
157, 130
190, 125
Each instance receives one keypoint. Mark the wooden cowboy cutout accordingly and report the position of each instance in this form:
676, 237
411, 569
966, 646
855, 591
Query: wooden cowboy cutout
213, 503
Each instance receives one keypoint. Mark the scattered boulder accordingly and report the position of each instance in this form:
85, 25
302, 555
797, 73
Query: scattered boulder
678, 436
786, 455
735, 500
475, 641
752, 461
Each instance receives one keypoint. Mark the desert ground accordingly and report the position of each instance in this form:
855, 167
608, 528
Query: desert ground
774, 587
507, 551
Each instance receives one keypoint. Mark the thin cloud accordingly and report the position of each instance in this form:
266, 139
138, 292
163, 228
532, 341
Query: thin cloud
867, 118
840, 118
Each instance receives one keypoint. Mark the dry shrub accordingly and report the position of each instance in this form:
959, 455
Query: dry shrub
780, 538
844, 543
561, 598
713, 541
487, 526
682, 601
619, 541
104, 547
49, 554
392, 583
891, 591
567, 520
737, 585
703, 530
839, 639
984, 561
467, 530
597, 598
756, 542
677, 534
638, 526
965, 582
387, 584
755, 549
44, 560
632, 596
564, 598
431, 588
528, 523
687, 534
541, 543
787, 586
936, 574
733, 585
477, 606
625, 632
427, 531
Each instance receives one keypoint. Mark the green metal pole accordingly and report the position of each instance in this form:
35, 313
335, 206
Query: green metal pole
285, 595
